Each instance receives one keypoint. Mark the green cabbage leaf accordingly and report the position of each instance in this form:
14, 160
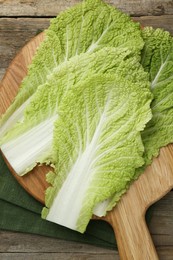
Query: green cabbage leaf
85, 28
96, 146
29, 142
157, 60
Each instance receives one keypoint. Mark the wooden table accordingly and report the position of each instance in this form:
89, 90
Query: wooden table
20, 20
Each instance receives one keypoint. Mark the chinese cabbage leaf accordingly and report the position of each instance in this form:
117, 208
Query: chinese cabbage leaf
84, 28
157, 59
29, 142
96, 146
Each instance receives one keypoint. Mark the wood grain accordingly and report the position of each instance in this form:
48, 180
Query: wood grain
52, 8
165, 22
15, 33
127, 218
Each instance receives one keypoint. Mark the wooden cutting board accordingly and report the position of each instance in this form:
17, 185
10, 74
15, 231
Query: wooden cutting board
128, 217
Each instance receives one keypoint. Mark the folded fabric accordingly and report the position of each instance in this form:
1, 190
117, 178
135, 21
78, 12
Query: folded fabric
21, 212
15, 218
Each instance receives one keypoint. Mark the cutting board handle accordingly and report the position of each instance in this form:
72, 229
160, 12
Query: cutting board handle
132, 235
128, 217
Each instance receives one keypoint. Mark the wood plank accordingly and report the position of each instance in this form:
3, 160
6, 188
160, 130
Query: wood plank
64, 249
26, 246
59, 256
165, 252
161, 224
164, 21
20, 242
52, 8
20, 247
15, 33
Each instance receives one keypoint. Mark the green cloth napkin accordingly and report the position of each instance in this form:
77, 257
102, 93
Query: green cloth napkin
21, 212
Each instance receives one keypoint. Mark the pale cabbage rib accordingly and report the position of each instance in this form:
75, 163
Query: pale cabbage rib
160, 71
40, 136
46, 101
94, 45
87, 179
17, 116
73, 32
